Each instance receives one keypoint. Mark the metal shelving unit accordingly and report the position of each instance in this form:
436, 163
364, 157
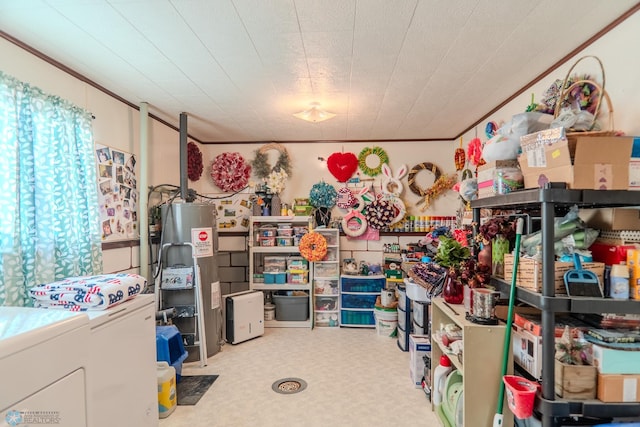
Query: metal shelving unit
547, 202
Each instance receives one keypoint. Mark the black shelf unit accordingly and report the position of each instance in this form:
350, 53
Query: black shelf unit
549, 201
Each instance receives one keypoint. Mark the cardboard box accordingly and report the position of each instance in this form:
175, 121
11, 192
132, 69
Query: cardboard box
530, 273
419, 346
577, 382
527, 351
611, 218
587, 162
614, 361
618, 388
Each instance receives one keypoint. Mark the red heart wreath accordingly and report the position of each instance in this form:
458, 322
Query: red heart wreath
342, 165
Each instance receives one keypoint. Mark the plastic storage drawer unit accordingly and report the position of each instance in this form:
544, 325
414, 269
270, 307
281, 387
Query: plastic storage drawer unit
348, 317
358, 301
373, 284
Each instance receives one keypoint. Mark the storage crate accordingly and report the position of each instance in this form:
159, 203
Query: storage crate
323, 303
291, 308
530, 273
285, 232
357, 318
302, 210
274, 264
298, 277
277, 278
284, 241
297, 263
267, 231
403, 339
421, 313
332, 255
329, 269
358, 301
325, 287
326, 319
363, 283
330, 235
404, 303
575, 382
267, 241
402, 319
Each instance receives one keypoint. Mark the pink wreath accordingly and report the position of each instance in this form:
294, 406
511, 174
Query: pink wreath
230, 172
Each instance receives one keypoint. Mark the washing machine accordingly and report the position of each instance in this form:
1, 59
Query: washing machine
44, 359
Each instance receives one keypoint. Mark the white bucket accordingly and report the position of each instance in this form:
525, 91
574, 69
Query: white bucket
386, 322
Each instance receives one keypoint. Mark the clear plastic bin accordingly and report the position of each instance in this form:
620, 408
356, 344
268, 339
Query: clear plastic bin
329, 269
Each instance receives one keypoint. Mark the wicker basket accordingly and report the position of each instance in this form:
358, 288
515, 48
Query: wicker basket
602, 94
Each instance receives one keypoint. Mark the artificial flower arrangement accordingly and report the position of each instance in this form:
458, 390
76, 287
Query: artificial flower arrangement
276, 181
494, 226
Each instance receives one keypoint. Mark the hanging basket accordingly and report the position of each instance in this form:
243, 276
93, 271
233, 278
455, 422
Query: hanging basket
601, 94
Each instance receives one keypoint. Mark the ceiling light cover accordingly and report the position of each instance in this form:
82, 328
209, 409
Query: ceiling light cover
314, 114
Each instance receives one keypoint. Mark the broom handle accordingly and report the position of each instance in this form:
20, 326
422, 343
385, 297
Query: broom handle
507, 332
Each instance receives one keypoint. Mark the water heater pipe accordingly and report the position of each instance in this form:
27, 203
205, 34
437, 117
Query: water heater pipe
143, 200
184, 189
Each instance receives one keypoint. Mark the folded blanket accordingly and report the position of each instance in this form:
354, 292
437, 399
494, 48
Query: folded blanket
88, 292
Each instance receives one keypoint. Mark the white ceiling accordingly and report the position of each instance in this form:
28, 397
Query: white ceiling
390, 70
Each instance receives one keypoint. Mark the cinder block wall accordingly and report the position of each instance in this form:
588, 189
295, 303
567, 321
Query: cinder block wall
233, 264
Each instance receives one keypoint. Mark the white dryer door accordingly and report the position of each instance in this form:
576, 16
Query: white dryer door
61, 404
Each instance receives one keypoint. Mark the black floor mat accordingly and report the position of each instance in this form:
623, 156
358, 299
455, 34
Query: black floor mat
190, 389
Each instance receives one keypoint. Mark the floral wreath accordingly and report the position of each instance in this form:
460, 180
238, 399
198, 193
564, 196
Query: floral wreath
313, 247
194, 162
261, 166
323, 195
379, 214
375, 151
230, 172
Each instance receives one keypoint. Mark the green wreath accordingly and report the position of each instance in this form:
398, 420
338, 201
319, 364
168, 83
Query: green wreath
375, 151
261, 166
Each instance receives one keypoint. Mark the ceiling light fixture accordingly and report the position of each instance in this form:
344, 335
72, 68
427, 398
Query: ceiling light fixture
314, 114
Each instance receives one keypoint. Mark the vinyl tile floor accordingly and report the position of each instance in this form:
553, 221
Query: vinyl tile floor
354, 378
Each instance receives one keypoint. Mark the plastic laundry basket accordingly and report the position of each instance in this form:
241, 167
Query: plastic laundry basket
521, 394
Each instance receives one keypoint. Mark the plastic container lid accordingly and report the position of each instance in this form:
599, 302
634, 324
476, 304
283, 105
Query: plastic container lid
445, 361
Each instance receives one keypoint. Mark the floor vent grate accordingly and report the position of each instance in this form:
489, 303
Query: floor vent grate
289, 385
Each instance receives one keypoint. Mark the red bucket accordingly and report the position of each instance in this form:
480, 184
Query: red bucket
521, 394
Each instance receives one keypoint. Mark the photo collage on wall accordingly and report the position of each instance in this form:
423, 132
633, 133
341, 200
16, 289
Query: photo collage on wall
117, 193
